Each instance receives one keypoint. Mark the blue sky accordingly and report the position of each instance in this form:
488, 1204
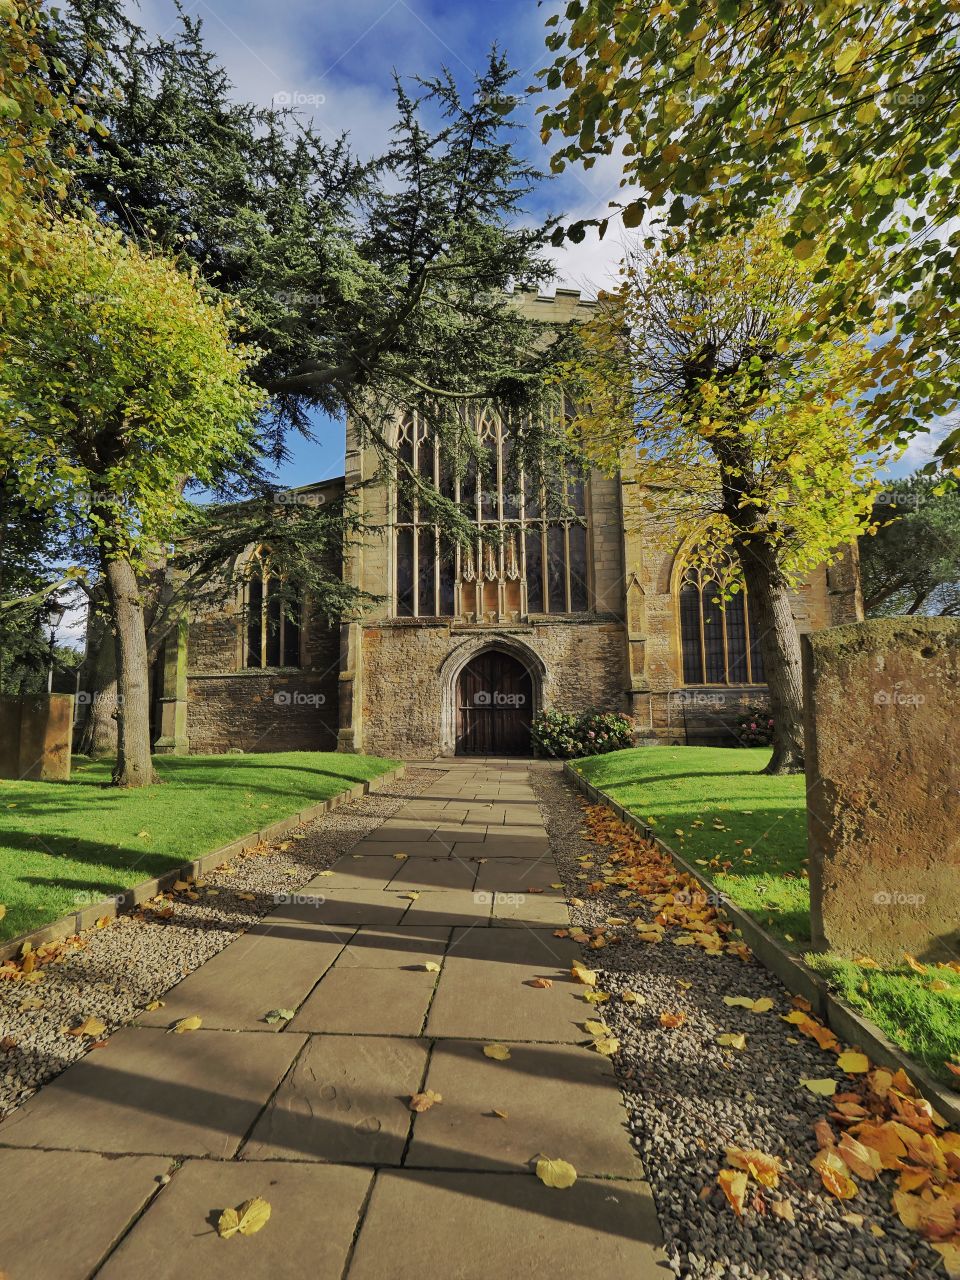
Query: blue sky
335, 61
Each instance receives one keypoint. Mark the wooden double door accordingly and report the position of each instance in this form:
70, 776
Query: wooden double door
494, 707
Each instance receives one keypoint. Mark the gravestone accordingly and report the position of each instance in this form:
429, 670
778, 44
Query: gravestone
36, 733
882, 723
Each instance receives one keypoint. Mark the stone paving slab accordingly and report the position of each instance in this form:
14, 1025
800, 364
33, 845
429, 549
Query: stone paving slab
150, 1091
341, 907
529, 910
483, 990
63, 1210
518, 875
364, 1001
314, 1214
412, 848
462, 833
534, 1087
450, 907
530, 847
345, 1101
490, 1225
356, 871
403, 947
434, 873
263, 970
408, 830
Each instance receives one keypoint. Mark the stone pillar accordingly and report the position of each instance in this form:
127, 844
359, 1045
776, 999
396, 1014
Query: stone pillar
173, 739
37, 735
882, 705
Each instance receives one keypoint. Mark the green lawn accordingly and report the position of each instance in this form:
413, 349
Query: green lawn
64, 844
753, 845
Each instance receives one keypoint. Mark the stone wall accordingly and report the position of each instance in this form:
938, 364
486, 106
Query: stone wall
262, 711
883, 787
232, 707
408, 680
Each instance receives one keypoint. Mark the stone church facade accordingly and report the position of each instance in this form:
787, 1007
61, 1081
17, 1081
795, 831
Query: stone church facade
571, 606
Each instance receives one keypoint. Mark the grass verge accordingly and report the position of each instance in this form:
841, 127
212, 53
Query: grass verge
746, 830
748, 833
64, 845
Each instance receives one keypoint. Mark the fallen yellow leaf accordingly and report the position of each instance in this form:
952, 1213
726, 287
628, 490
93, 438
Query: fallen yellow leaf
766, 1169
193, 1023
732, 1040
248, 1218
825, 1088
556, 1173
587, 976
89, 1027
783, 1209
733, 1184
424, 1101
499, 1052
854, 1063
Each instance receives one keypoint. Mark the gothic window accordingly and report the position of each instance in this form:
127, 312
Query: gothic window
530, 553
719, 641
272, 635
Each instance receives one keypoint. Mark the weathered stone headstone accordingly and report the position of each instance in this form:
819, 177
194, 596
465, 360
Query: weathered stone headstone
36, 733
882, 710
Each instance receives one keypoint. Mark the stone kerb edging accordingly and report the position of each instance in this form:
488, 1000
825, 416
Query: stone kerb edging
796, 976
124, 902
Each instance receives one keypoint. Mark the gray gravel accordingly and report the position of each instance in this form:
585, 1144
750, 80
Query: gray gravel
688, 1099
134, 960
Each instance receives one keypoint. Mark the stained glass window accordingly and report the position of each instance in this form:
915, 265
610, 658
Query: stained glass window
719, 641
272, 633
530, 553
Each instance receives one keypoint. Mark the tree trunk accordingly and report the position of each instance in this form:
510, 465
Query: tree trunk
134, 767
780, 647
98, 735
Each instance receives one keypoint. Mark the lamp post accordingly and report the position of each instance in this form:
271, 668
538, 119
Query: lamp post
55, 615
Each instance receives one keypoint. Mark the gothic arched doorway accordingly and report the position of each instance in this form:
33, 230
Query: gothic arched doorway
494, 701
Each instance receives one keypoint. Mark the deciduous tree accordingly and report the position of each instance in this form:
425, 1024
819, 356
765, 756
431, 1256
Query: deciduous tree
118, 381
847, 116
699, 380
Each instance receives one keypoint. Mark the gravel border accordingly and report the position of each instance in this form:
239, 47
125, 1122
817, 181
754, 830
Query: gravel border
119, 969
687, 1099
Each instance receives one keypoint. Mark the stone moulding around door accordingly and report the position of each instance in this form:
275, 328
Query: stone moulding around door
458, 658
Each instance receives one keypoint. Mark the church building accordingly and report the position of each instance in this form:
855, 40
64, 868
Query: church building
570, 606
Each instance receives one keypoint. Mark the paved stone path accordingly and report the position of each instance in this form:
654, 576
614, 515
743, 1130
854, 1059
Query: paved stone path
121, 1166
